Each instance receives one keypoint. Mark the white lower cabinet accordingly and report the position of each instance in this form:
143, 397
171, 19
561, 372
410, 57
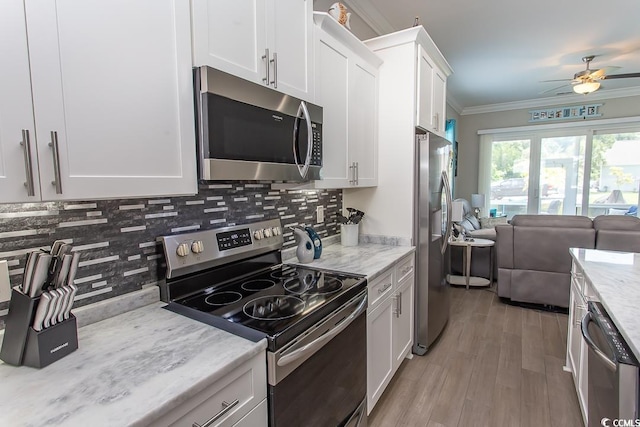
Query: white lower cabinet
389, 326
576, 346
237, 399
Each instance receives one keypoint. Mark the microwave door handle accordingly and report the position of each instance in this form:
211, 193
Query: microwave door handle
584, 328
302, 109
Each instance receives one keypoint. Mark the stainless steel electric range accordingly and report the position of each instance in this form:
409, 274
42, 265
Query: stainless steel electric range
314, 320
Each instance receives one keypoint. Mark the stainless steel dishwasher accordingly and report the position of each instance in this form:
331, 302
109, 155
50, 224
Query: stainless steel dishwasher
612, 392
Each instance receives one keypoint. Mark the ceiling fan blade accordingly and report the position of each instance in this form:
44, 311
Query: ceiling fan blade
621, 76
553, 89
602, 72
557, 80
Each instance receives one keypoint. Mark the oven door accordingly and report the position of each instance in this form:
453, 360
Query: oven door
320, 378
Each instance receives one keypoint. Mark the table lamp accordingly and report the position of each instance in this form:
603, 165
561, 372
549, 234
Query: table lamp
477, 202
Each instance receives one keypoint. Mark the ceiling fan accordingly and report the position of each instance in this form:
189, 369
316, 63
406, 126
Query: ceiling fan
588, 80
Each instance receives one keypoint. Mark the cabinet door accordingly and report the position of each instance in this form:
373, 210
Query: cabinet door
16, 109
332, 71
231, 36
439, 102
574, 335
379, 351
424, 93
362, 122
112, 91
290, 38
403, 321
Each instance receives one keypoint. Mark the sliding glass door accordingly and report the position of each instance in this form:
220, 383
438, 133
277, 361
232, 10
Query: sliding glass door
577, 171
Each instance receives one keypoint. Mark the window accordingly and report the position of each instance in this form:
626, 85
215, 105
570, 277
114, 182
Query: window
578, 170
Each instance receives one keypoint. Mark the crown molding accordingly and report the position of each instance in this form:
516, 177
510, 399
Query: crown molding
556, 100
453, 103
370, 15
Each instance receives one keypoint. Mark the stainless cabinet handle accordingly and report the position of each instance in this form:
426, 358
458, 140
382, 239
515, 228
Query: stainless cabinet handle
436, 119
384, 288
352, 173
357, 172
274, 82
399, 303
265, 79
28, 165
56, 162
226, 407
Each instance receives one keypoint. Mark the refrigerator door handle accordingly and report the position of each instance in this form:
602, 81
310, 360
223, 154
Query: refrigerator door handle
447, 190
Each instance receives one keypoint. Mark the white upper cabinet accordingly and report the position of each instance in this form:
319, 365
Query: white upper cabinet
431, 94
265, 41
19, 179
112, 97
347, 89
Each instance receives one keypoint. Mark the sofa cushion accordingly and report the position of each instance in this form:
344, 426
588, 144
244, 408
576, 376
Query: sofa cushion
547, 248
484, 233
616, 222
563, 221
617, 240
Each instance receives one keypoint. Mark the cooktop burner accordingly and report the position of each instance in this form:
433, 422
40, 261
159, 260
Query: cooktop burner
275, 307
257, 285
286, 272
223, 298
320, 286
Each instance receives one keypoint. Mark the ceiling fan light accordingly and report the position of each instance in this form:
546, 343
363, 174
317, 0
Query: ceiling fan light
586, 87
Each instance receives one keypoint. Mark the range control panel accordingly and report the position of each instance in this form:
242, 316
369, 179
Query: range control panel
197, 251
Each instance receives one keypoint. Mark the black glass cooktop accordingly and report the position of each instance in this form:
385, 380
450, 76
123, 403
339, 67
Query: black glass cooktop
278, 303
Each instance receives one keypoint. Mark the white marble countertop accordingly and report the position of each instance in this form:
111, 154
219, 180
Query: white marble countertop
369, 259
128, 370
615, 277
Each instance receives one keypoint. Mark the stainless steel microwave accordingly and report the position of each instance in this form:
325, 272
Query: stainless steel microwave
247, 131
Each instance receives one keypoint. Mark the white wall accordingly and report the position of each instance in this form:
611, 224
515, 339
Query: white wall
468, 126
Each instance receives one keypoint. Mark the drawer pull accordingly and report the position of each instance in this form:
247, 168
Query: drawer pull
226, 407
387, 286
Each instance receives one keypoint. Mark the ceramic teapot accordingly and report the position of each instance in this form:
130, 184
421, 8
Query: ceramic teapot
305, 250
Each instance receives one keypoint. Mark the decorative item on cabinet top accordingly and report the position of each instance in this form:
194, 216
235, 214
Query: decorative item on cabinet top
338, 11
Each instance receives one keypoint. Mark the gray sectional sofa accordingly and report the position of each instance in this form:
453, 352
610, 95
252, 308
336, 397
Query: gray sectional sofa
533, 257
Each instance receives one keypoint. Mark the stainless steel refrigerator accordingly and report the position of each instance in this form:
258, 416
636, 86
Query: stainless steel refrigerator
431, 230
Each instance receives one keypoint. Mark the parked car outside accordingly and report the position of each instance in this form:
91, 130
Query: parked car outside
513, 187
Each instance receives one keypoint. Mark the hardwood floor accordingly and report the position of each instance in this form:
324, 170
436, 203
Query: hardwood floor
494, 365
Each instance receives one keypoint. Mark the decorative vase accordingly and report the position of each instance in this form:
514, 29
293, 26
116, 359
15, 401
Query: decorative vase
338, 11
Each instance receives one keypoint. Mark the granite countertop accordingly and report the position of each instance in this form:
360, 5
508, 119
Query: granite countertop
369, 259
615, 277
130, 369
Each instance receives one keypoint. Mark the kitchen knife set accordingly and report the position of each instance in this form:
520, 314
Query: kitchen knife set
51, 276
39, 328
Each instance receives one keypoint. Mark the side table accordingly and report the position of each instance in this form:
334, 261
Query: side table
468, 280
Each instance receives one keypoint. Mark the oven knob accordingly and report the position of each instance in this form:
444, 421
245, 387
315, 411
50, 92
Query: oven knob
183, 249
197, 247
258, 234
267, 232
276, 231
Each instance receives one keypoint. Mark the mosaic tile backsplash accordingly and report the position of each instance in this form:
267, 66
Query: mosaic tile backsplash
118, 238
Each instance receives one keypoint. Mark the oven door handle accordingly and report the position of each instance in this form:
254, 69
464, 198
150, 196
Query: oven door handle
320, 341
584, 325
302, 109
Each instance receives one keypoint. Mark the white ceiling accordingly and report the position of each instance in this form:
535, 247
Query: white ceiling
500, 50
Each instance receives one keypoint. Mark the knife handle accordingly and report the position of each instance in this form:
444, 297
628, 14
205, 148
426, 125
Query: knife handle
41, 312
52, 306
74, 291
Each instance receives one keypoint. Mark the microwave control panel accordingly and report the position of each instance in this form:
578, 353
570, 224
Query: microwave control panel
316, 151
